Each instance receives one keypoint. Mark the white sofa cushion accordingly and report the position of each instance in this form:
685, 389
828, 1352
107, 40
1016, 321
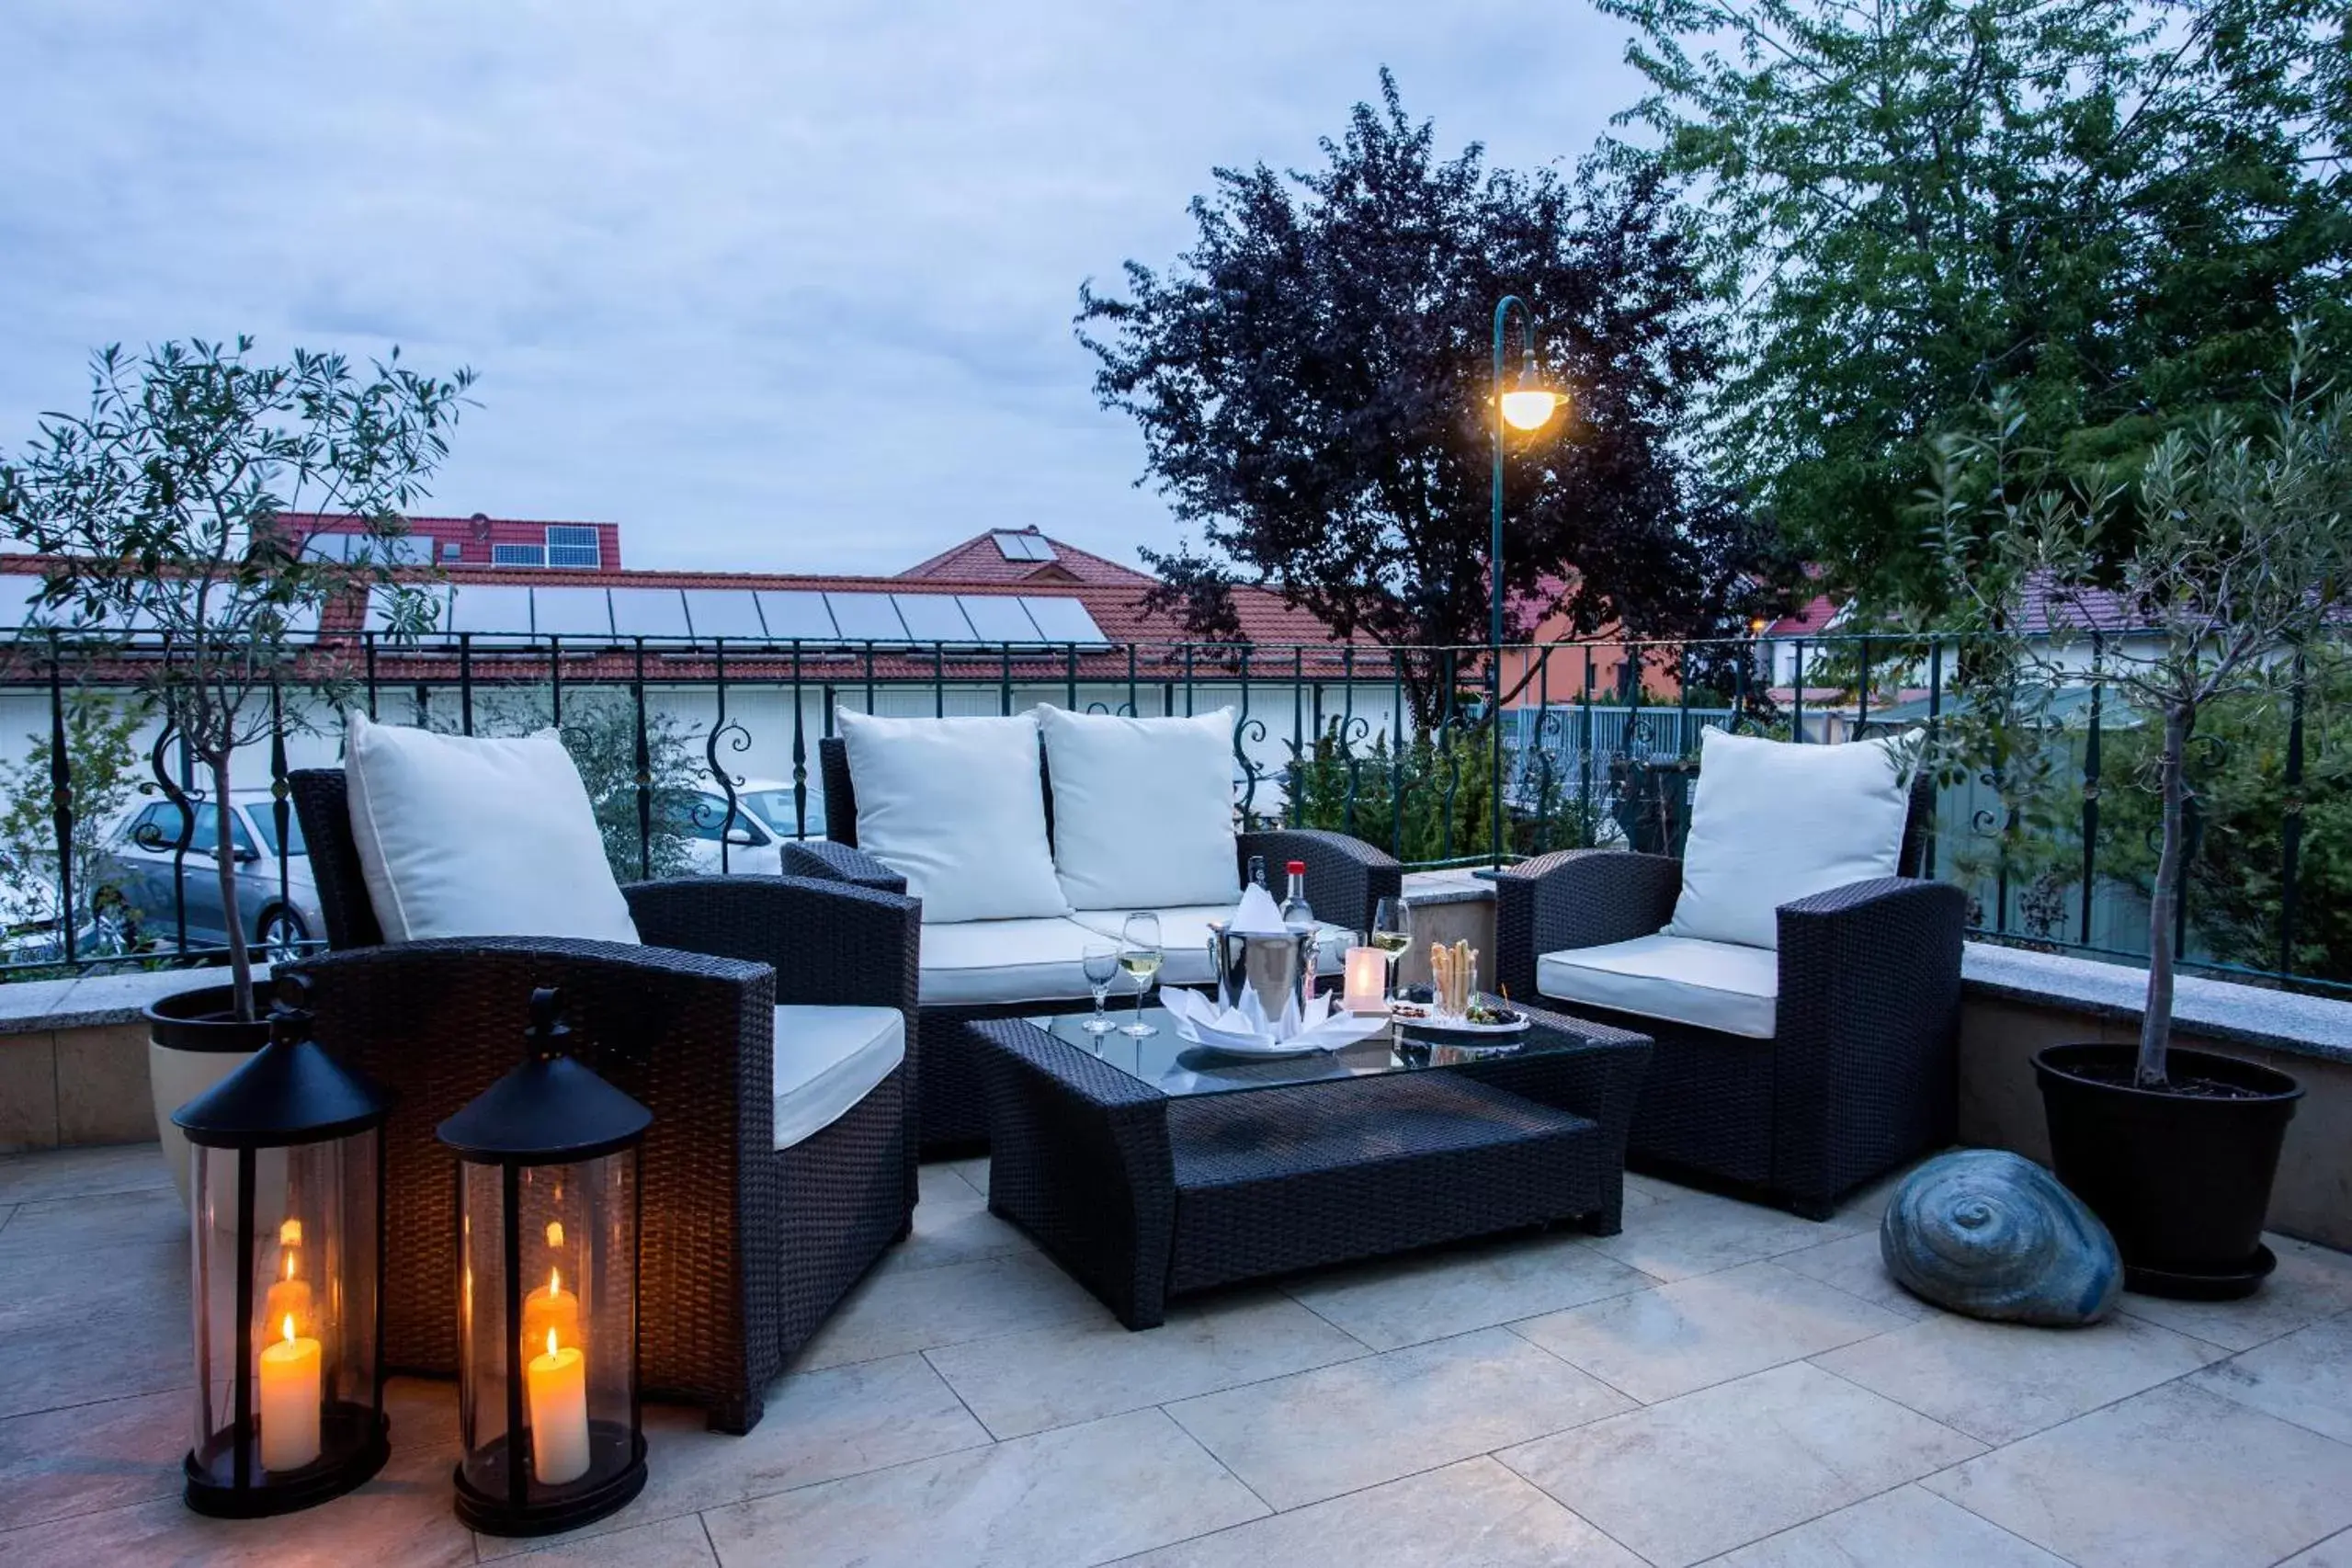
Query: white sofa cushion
972, 962
1772, 822
1716, 985
955, 806
827, 1059
1142, 808
1184, 937
466, 836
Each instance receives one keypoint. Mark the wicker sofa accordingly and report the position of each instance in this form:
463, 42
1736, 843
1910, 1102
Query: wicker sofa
1847, 1072
746, 1246
969, 971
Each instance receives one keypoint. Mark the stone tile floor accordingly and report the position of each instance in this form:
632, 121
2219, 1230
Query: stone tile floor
1719, 1384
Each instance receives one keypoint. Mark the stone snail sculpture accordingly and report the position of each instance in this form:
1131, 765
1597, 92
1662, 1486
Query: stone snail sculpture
1991, 1235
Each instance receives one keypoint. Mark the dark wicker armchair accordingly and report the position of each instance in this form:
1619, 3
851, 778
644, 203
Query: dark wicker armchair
1346, 879
747, 1248
1859, 1077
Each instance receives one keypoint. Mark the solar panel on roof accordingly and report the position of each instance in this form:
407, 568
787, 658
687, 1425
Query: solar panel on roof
1064, 619
570, 613
380, 598
866, 617
932, 618
725, 612
649, 612
1022, 546
998, 618
493, 613
796, 612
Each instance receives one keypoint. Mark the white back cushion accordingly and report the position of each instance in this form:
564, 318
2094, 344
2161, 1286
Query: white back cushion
1772, 822
464, 836
1142, 808
955, 806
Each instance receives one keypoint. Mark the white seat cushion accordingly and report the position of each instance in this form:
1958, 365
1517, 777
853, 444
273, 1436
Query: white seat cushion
467, 837
1772, 822
1184, 937
955, 806
1716, 985
971, 962
1142, 808
827, 1059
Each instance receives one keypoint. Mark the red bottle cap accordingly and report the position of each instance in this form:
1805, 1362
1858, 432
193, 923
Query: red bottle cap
1299, 866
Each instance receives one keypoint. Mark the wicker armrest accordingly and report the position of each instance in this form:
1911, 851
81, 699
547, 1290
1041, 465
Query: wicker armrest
831, 943
840, 862
690, 1036
1577, 898
1346, 877
1867, 1016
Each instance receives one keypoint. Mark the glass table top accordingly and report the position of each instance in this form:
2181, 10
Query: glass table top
1174, 1066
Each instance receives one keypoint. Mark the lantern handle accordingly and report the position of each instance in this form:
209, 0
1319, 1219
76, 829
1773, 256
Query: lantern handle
547, 1037
289, 1010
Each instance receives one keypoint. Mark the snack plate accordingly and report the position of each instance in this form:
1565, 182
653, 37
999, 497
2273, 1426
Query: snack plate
1433, 1025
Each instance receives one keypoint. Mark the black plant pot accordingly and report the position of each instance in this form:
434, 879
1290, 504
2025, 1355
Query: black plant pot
194, 1040
2183, 1181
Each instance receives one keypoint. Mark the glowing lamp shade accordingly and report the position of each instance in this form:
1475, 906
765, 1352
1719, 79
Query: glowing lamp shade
1530, 408
1367, 984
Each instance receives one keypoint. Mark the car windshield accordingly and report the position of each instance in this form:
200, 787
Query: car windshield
774, 807
265, 826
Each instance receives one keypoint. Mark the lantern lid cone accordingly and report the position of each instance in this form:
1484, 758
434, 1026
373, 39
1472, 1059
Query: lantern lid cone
291, 1091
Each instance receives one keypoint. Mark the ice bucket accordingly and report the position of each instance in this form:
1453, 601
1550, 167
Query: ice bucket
1276, 967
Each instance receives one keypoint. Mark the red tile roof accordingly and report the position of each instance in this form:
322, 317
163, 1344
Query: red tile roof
982, 560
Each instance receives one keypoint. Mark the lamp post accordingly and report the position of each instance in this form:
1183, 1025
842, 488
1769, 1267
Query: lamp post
1529, 405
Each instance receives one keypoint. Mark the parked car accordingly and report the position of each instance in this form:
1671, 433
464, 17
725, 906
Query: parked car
754, 836
134, 900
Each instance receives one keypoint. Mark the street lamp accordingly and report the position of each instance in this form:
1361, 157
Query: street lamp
1527, 406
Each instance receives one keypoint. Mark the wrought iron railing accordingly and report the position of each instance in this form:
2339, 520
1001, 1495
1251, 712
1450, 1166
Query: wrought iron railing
1388, 744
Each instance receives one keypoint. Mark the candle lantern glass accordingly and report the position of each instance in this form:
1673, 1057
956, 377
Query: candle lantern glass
286, 1223
548, 1215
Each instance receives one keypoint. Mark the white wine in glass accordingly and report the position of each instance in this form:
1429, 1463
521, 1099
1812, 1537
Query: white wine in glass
1140, 955
1393, 929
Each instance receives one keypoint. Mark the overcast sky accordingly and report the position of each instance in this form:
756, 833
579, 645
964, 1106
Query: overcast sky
778, 286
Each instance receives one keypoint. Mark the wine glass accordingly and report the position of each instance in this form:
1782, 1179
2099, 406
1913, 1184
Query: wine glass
1139, 956
1100, 963
1392, 932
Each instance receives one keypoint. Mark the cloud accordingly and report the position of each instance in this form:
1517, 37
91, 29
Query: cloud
784, 286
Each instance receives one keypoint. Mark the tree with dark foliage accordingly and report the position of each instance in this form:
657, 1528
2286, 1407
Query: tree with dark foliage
1312, 381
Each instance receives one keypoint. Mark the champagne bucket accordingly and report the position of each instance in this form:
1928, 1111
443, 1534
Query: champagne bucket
1278, 968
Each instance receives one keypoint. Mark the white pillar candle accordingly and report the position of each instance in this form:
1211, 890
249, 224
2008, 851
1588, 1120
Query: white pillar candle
1367, 974
558, 1384
289, 1401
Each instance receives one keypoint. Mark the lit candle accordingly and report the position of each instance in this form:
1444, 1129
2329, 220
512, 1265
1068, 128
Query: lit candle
290, 1401
558, 1384
1367, 974
551, 1310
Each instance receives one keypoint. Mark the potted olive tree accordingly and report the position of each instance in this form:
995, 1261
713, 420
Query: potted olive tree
161, 515
2201, 573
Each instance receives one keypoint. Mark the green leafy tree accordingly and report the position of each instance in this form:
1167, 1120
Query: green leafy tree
1313, 382
2241, 554
599, 730
101, 752
2109, 208
160, 510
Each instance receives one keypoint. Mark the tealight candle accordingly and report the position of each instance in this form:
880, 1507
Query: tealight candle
1367, 984
557, 1385
289, 1401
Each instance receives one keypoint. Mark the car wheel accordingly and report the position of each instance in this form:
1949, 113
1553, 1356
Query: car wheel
283, 936
113, 925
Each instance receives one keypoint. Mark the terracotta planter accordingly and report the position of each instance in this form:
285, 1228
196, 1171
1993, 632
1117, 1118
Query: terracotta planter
194, 1040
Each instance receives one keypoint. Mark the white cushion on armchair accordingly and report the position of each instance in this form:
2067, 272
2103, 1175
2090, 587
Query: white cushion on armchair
1143, 809
955, 806
461, 836
1772, 822
1715, 986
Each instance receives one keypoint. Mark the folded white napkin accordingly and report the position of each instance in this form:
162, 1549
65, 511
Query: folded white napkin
1317, 1027
1256, 915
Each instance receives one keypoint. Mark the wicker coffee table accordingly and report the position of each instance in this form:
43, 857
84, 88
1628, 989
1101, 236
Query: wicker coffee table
1147, 1168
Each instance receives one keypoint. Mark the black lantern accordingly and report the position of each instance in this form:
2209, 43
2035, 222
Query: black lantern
288, 1226
546, 1248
